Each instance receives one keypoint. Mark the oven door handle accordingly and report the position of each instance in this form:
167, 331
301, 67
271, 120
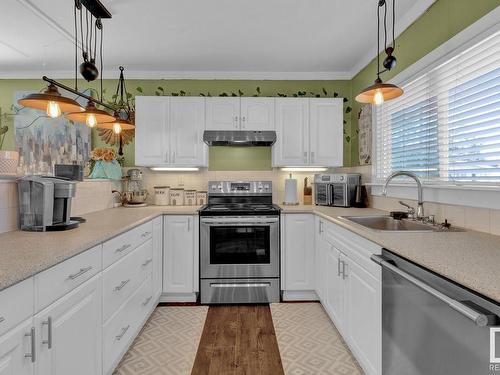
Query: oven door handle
238, 221
240, 285
477, 317
245, 224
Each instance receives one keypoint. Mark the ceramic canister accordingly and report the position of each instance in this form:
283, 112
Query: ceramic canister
177, 197
190, 197
201, 198
162, 195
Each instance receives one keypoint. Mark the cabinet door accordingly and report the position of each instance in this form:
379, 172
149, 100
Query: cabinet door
178, 256
334, 288
326, 132
257, 113
187, 123
151, 132
157, 257
292, 131
14, 346
69, 333
223, 113
322, 248
299, 252
364, 316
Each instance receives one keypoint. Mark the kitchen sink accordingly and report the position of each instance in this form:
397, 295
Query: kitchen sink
387, 223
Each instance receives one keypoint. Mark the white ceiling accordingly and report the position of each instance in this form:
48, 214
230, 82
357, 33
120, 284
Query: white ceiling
254, 39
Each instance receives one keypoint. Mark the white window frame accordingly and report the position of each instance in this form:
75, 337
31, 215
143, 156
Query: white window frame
475, 195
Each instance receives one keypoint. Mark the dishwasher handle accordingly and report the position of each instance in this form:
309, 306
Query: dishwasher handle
478, 318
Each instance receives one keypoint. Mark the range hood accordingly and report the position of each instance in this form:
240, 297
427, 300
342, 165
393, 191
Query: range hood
239, 138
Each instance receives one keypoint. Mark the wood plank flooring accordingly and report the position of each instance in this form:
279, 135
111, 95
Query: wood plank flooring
238, 340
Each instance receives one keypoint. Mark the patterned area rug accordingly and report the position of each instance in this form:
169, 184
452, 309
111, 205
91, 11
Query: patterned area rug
308, 341
167, 344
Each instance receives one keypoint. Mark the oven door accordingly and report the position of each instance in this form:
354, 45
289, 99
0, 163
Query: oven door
322, 194
339, 195
239, 247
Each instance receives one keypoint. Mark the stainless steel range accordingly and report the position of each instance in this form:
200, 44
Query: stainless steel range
239, 244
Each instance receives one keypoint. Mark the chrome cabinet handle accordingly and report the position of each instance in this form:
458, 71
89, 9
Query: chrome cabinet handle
166, 156
173, 156
146, 301
344, 266
48, 323
312, 156
320, 227
189, 225
123, 248
145, 234
339, 272
305, 156
2, 319
478, 318
122, 333
80, 273
31, 355
122, 284
147, 262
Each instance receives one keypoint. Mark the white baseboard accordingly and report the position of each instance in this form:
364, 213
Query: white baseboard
178, 297
299, 295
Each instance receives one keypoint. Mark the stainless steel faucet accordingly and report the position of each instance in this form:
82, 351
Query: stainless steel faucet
420, 207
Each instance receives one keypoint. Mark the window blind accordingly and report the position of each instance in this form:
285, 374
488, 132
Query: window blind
446, 126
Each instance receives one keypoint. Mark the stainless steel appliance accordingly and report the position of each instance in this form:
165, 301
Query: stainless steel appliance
133, 194
336, 189
431, 325
45, 203
239, 244
239, 137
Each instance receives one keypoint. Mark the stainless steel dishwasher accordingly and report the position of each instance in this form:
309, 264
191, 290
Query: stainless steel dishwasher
432, 326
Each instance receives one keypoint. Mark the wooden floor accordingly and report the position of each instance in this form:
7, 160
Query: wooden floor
238, 340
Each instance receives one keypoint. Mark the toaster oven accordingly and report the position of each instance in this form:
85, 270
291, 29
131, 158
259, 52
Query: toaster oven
337, 189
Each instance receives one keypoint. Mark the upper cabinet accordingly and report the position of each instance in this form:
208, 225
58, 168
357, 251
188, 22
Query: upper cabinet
228, 113
309, 132
169, 131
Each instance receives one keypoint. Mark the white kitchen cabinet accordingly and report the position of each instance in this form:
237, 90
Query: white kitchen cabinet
157, 257
257, 114
298, 252
292, 132
16, 349
321, 247
69, 333
309, 132
169, 131
179, 260
223, 113
334, 285
326, 132
152, 131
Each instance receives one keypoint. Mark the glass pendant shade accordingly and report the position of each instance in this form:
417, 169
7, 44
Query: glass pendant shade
117, 125
91, 115
378, 93
50, 101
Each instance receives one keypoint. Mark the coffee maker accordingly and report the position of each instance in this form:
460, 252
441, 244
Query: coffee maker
45, 203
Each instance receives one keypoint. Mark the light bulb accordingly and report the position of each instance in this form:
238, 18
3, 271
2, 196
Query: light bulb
53, 109
378, 98
117, 128
91, 120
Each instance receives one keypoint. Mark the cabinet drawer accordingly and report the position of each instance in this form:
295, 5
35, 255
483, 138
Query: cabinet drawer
16, 304
120, 330
118, 247
66, 276
124, 277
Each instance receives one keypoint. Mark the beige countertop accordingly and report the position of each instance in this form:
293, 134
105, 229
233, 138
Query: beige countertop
24, 254
469, 258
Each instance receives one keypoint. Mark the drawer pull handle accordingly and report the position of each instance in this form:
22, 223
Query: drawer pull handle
147, 262
145, 234
80, 273
122, 284
122, 333
48, 323
123, 248
31, 355
2, 319
146, 301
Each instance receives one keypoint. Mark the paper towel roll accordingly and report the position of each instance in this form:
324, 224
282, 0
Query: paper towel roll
291, 194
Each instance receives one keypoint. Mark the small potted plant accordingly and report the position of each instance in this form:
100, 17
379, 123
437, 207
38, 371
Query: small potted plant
103, 164
8, 159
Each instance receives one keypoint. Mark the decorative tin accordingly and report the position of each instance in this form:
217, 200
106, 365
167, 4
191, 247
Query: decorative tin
190, 197
176, 197
201, 198
162, 195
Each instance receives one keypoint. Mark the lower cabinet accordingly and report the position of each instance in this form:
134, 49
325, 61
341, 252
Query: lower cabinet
16, 350
180, 265
157, 277
69, 333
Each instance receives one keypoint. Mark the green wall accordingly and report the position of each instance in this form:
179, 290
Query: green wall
194, 88
443, 20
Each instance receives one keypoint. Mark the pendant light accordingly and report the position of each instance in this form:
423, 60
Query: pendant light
50, 101
91, 115
117, 125
380, 92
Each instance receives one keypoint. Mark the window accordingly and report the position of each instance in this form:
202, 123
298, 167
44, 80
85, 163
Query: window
446, 126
